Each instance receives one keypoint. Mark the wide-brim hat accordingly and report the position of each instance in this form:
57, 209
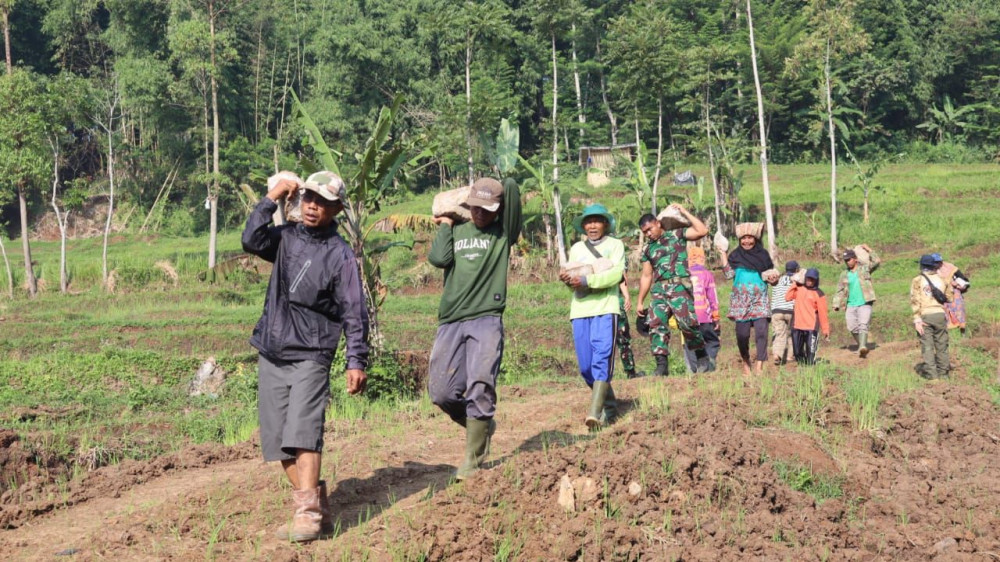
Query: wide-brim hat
595, 209
327, 185
755, 229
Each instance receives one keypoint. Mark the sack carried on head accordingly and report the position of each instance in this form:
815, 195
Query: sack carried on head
450, 204
671, 219
755, 229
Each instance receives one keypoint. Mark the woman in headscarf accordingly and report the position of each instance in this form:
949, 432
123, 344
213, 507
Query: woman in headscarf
706, 307
749, 305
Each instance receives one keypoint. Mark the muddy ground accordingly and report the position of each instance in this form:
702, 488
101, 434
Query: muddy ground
696, 481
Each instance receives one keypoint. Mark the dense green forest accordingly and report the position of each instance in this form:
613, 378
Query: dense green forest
186, 99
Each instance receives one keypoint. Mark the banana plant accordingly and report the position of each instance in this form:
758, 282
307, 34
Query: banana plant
374, 171
547, 191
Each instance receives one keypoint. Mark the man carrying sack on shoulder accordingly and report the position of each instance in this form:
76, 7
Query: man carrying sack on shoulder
856, 291
468, 347
665, 274
313, 297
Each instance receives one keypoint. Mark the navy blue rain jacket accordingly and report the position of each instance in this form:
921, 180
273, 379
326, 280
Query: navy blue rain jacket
314, 294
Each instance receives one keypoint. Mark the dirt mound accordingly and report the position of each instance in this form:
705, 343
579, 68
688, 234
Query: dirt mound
707, 487
698, 486
932, 476
36, 488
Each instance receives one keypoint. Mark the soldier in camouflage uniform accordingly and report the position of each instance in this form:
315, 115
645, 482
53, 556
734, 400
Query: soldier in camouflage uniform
665, 275
624, 334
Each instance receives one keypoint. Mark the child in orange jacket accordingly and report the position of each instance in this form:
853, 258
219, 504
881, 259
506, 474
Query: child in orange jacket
809, 318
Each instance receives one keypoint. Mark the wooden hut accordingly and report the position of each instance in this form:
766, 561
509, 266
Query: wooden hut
597, 160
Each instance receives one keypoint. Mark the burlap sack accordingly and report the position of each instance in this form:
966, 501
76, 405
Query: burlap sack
577, 269
863, 257
721, 242
771, 275
672, 219
800, 277
293, 204
450, 203
755, 229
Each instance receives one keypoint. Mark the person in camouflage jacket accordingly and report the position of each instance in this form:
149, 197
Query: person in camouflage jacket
665, 275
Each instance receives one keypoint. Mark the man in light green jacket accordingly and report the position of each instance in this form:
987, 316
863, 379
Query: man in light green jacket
594, 309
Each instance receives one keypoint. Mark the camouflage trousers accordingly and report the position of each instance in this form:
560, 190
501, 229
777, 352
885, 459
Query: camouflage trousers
673, 301
625, 339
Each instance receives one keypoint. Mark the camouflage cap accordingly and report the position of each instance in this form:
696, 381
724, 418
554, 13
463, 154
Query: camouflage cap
327, 185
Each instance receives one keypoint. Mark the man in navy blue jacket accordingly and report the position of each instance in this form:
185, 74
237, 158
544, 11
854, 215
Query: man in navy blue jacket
313, 297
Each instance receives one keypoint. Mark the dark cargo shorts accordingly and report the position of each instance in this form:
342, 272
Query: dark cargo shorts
292, 397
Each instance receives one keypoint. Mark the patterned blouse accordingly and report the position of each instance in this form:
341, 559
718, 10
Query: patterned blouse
749, 300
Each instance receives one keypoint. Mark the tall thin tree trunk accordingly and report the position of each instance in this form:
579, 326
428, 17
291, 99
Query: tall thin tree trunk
833, 154
711, 165
635, 110
607, 106
6, 264
659, 149
549, 254
256, 81
6, 40
60, 219
214, 197
29, 273
111, 197
555, 110
576, 79
771, 247
468, 102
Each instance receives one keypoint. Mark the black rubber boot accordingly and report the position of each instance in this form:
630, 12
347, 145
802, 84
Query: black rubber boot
597, 397
477, 446
662, 365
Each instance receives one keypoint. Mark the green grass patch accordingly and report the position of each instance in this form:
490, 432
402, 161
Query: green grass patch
801, 478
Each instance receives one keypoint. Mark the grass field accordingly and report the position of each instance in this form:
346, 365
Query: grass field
93, 379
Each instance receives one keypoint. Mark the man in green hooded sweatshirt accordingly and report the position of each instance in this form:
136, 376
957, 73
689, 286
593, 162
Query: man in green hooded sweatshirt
465, 361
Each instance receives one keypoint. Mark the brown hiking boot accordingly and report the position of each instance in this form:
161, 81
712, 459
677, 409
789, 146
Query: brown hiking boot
326, 525
305, 524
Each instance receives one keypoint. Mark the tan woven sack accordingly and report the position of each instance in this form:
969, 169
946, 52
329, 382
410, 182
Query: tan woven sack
863, 257
451, 204
293, 204
755, 229
672, 219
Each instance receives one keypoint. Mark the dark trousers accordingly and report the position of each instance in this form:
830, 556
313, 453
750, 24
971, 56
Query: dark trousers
760, 338
805, 343
712, 346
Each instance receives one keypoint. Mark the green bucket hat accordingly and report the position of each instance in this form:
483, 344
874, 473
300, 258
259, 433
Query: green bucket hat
592, 210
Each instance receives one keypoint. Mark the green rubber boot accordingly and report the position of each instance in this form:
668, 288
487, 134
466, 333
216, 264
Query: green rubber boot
597, 398
863, 344
477, 446
610, 411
